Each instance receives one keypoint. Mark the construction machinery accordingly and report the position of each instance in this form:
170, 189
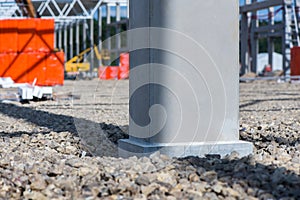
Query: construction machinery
77, 66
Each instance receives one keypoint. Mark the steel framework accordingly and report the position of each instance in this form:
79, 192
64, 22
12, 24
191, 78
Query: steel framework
287, 29
74, 21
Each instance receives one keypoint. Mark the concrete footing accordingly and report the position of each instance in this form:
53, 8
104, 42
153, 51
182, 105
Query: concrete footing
128, 148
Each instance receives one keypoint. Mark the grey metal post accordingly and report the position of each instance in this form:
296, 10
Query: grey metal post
270, 39
99, 33
244, 42
60, 37
92, 44
108, 21
66, 42
55, 37
84, 36
118, 27
77, 34
254, 41
71, 41
184, 98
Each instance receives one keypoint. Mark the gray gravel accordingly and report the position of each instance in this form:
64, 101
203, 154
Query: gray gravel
66, 149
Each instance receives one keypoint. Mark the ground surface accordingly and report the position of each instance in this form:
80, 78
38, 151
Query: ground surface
64, 149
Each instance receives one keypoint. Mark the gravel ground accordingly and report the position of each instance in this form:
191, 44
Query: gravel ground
66, 149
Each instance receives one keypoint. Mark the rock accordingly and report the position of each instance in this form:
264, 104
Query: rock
34, 195
38, 183
142, 180
193, 177
209, 176
166, 178
147, 190
83, 171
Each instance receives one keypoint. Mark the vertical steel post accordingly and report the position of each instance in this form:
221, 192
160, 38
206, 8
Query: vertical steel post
183, 84
60, 37
66, 41
71, 41
244, 42
254, 40
77, 34
118, 27
270, 39
92, 44
108, 21
99, 34
84, 28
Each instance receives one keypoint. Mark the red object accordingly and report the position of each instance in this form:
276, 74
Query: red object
109, 72
36, 68
8, 36
124, 66
27, 35
44, 35
55, 69
295, 61
15, 67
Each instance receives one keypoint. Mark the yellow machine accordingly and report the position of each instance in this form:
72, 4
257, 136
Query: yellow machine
75, 64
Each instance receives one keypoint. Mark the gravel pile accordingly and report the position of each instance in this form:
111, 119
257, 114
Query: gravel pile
66, 149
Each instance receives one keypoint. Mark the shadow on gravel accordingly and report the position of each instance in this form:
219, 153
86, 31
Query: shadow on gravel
246, 176
62, 123
257, 101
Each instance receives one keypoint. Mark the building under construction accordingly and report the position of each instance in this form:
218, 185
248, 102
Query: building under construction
80, 26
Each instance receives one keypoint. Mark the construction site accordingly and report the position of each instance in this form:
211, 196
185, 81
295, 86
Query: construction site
149, 99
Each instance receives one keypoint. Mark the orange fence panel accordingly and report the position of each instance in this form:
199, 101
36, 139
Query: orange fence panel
109, 72
8, 36
45, 35
16, 66
36, 68
124, 66
55, 69
27, 35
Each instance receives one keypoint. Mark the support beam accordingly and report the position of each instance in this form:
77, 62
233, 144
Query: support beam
77, 34
270, 39
183, 101
244, 43
84, 29
118, 26
260, 5
60, 37
254, 41
108, 21
92, 45
71, 41
66, 42
99, 34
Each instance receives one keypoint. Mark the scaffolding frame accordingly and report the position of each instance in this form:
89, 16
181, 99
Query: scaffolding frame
251, 32
70, 15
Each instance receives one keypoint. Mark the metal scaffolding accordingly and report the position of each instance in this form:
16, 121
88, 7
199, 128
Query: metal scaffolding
74, 22
251, 31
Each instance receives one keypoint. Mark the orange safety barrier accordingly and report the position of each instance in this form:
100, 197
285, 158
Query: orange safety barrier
27, 35
109, 72
36, 68
55, 69
45, 35
15, 66
8, 36
124, 66
295, 61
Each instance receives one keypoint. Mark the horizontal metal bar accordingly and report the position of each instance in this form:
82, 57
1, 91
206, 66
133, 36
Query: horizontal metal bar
261, 5
268, 35
269, 28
